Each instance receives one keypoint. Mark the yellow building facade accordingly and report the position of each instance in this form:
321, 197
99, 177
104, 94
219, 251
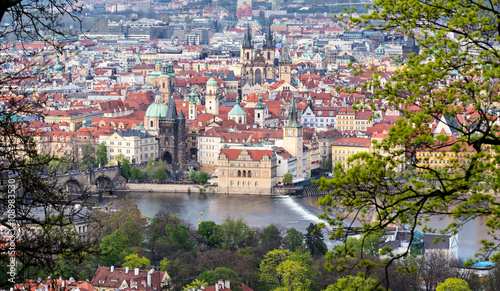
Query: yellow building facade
247, 171
348, 146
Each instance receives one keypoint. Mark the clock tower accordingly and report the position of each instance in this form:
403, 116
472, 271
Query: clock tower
293, 140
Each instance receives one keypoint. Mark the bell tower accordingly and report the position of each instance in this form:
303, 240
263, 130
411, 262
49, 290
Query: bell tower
285, 64
293, 140
211, 100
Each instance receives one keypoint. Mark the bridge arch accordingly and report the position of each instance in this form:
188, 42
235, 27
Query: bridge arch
104, 183
73, 186
167, 157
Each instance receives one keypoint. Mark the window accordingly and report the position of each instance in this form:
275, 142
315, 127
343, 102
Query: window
222, 173
256, 184
231, 183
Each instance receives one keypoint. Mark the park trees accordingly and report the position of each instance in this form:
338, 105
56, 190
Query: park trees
287, 178
125, 169
234, 233
452, 82
102, 155
88, 154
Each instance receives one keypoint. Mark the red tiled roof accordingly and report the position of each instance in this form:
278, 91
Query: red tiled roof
255, 154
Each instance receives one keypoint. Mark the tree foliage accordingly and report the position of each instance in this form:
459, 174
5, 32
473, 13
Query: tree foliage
134, 261
287, 178
453, 284
293, 239
234, 233
136, 173
452, 81
102, 155
125, 169
88, 154
314, 240
202, 178
355, 283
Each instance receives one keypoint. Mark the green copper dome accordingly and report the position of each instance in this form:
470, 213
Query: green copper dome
212, 82
57, 67
237, 110
193, 96
157, 109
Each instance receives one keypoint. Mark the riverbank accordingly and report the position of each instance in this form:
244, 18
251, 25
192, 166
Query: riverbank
170, 188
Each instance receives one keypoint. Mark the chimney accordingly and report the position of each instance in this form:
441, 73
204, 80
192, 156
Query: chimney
126, 270
112, 269
136, 271
149, 279
227, 284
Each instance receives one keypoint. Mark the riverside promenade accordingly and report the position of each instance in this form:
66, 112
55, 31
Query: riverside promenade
170, 188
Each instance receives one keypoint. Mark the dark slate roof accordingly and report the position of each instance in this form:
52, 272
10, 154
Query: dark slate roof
172, 110
131, 132
452, 122
230, 76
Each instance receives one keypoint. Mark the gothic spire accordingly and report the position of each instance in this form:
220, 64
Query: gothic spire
248, 38
285, 54
292, 115
269, 39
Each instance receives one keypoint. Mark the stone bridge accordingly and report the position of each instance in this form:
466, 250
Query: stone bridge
95, 180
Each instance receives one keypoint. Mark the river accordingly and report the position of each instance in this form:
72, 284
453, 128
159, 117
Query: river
260, 211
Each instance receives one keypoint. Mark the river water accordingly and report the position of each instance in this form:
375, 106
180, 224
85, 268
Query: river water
260, 211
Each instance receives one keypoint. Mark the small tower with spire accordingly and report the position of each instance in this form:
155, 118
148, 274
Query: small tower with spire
193, 101
260, 112
211, 99
293, 140
285, 63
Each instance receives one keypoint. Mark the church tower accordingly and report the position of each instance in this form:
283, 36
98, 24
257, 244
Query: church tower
268, 52
211, 99
247, 48
193, 100
166, 81
285, 63
292, 139
247, 57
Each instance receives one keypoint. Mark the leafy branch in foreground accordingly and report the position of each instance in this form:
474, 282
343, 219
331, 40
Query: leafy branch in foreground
452, 84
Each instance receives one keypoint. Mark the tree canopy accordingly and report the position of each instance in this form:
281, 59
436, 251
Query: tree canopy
452, 82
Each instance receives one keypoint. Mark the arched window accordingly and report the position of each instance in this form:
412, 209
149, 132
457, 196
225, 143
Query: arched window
238, 183
258, 115
268, 55
256, 184
248, 55
231, 183
239, 120
244, 184
244, 175
239, 173
163, 85
210, 92
151, 122
249, 174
